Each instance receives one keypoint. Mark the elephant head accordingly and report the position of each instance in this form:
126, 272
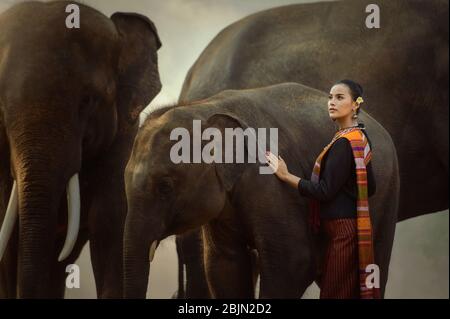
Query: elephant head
165, 197
66, 95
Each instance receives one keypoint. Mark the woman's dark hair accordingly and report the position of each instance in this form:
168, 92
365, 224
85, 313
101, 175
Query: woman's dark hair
356, 90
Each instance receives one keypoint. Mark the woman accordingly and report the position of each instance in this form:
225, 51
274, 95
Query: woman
341, 182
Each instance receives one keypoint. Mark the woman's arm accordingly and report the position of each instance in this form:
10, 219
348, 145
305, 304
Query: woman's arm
335, 173
292, 180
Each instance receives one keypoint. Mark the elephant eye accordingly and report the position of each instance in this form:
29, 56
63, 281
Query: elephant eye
88, 104
164, 187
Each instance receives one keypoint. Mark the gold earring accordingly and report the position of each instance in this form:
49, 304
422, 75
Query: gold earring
355, 115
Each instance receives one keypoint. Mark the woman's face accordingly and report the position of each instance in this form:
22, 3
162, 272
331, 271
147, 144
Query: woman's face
340, 102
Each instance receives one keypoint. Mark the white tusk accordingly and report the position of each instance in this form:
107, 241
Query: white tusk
152, 250
10, 220
73, 217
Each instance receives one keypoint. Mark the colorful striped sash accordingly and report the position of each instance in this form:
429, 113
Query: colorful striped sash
362, 155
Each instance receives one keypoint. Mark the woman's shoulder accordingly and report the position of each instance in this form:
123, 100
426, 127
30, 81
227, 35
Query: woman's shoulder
341, 142
341, 146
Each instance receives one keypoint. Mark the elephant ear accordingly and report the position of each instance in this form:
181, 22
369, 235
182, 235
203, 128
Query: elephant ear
228, 173
138, 79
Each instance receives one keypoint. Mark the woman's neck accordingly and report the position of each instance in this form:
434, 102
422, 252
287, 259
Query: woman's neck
346, 122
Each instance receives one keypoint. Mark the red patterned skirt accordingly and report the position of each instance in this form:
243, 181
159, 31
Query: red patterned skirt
340, 268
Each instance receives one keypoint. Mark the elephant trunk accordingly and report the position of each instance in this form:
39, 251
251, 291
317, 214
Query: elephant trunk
139, 250
37, 232
73, 204
42, 169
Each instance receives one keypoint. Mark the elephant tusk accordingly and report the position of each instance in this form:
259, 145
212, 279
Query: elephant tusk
9, 220
151, 253
73, 217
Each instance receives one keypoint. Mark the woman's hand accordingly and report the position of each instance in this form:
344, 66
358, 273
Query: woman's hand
281, 171
278, 166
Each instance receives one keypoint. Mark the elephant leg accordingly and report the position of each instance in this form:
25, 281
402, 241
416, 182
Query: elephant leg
383, 244
190, 255
106, 231
283, 272
107, 213
286, 261
181, 292
228, 268
106, 225
385, 205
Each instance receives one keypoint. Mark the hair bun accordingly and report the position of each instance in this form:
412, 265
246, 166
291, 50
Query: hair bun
356, 89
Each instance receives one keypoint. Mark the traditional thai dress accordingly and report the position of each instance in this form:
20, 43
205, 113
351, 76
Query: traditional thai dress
341, 182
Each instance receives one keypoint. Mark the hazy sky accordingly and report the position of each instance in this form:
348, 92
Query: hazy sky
419, 266
185, 28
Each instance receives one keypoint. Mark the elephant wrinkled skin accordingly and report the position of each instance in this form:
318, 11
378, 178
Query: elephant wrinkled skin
69, 106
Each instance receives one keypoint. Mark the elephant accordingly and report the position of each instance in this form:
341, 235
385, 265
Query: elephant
403, 67
70, 100
237, 208
317, 43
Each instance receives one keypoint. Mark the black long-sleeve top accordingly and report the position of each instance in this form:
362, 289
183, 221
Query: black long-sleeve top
336, 189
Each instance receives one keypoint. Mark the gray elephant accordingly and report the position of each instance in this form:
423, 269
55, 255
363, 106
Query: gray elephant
239, 208
69, 106
403, 67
